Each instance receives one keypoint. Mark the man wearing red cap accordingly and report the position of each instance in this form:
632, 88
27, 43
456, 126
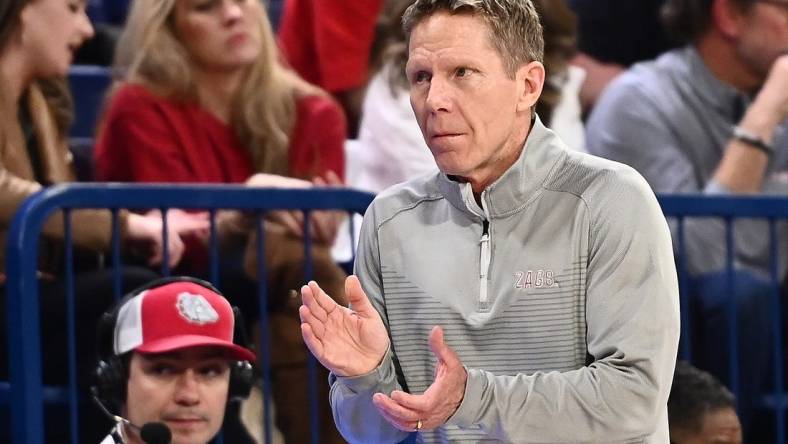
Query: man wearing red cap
170, 362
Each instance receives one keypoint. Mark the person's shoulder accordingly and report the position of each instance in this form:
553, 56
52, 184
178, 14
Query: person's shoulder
134, 93
596, 179
648, 79
652, 93
408, 195
134, 98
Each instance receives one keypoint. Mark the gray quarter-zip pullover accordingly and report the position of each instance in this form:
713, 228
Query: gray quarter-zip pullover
559, 295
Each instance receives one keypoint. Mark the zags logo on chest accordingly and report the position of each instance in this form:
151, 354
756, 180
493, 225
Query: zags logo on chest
534, 279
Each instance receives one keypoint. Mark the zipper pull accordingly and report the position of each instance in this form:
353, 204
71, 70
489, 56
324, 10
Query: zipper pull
484, 265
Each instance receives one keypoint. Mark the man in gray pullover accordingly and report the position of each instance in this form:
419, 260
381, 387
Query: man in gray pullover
523, 293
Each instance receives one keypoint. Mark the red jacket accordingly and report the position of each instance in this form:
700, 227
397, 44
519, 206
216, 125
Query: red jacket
328, 41
146, 138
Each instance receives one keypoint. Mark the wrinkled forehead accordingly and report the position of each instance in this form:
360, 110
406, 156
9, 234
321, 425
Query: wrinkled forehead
446, 33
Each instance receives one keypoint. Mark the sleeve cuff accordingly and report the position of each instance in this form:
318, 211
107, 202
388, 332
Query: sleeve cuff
467, 413
368, 381
716, 188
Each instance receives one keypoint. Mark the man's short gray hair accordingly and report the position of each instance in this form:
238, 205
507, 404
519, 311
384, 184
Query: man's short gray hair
515, 30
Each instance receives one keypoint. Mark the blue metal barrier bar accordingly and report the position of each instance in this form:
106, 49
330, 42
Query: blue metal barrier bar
239, 197
700, 205
733, 310
777, 332
24, 347
265, 349
311, 365
684, 303
213, 248
71, 328
116, 260
26, 391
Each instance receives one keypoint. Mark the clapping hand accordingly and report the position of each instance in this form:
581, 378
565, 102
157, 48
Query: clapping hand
347, 341
441, 399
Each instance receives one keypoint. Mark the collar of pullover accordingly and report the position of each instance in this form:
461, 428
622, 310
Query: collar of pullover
519, 185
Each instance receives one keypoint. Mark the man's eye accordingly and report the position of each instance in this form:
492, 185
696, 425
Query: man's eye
73, 7
162, 369
463, 72
421, 77
213, 371
203, 6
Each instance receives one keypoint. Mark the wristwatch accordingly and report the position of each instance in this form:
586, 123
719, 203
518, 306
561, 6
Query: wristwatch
748, 137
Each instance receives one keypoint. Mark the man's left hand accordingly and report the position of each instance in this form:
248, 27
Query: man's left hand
441, 399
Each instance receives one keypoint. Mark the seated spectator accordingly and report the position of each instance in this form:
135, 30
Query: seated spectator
701, 409
328, 42
204, 99
172, 357
391, 148
614, 34
710, 118
37, 41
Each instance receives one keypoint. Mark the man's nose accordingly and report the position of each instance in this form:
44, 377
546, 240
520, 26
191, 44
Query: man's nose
439, 95
187, 391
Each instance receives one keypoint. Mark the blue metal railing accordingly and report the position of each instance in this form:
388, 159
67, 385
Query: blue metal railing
729, 209
26, 390
27, 395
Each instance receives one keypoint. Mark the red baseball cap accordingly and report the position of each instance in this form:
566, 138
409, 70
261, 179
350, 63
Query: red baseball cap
177, 315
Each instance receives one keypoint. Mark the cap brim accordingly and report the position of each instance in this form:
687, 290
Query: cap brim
175, 343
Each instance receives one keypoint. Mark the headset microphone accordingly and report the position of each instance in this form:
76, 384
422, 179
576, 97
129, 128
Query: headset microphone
150, 432
155, 433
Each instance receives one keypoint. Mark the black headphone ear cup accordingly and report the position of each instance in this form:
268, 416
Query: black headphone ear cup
241, 372
241, 380
110, 382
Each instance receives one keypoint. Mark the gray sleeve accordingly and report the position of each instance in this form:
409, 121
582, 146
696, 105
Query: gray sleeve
356, 417
633, 329
628, 126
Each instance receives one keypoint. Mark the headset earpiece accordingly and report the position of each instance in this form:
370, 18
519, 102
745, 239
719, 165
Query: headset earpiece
110, 374
241, 372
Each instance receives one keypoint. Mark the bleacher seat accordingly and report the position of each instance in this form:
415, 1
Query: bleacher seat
89, 85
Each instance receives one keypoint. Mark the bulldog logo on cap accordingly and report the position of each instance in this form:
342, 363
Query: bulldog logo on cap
196, 309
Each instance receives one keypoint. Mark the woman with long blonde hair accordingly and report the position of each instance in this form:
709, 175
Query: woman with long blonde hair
202, 97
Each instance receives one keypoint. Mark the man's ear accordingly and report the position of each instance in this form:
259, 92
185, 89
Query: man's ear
530, 81
728, 17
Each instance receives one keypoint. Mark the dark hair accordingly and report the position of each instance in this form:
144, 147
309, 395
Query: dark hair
9, 19
695, 393
686, 20
55, 90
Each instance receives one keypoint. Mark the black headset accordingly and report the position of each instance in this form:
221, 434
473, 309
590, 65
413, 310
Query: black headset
111, 373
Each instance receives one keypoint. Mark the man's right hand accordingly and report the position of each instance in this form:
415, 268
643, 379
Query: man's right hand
347, 341
770, 107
